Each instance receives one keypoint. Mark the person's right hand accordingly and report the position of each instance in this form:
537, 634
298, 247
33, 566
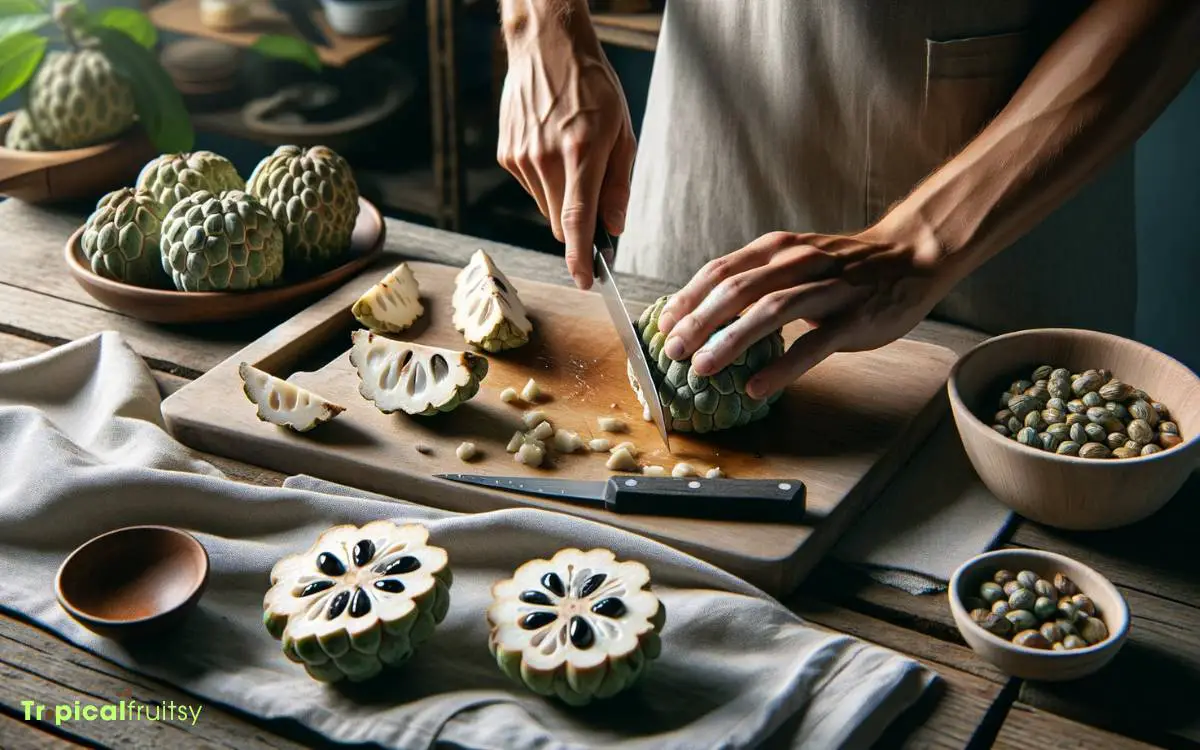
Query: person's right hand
565, 132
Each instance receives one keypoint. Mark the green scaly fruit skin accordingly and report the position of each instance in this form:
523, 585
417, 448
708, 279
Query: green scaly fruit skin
341, 656
216, 244
76, 99
172, 177
22, 136
313, 197
121, 238
695, 403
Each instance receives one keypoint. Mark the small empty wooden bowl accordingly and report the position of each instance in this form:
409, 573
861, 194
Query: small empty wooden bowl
1032, 663
1069, 492
133, 582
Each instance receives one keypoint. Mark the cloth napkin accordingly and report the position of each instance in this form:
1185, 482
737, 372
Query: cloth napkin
82, 451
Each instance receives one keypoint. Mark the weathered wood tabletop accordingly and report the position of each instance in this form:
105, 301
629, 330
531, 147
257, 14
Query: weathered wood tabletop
1148, 696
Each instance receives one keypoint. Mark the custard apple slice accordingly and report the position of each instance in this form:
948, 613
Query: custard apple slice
314, 199
578, 626
358, 600
695, 403
23, 136
392, 305
121, 238
172, 177
76, 99
221, 244
283, 403
487, 309
413, 378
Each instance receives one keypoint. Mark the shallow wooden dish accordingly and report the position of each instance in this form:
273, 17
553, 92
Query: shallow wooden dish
51, 176
133, 582
1031, 663
171, 306
1066, 491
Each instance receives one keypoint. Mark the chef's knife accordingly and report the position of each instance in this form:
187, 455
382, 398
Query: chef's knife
768, 500
604, 255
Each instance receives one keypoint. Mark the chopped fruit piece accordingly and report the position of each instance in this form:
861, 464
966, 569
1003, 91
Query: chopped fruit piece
611, 424
714, 473
684, 470
542, 431
515, 443
487, 309
654, 471
509, 395
599, 445
531, 454
628, 447
534, 418
566, 441
282, 403
414, 378
621, 460
532, 391
466, 451
392, 305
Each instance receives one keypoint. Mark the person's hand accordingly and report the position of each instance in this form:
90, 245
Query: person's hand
565, 134
857, 292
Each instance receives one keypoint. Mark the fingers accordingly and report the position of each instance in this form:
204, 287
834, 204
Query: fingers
547, 167
584, 173
706, 279
805, 353
614, 192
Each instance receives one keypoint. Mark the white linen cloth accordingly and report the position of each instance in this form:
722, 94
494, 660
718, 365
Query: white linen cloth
82, 452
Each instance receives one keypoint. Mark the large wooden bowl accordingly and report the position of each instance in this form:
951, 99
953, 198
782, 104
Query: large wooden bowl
1066, 491
171, 306
52, 176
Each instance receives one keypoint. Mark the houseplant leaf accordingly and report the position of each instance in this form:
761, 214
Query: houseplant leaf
19, 57
133, 22
159, 104
20, 8
10, 25
283, 47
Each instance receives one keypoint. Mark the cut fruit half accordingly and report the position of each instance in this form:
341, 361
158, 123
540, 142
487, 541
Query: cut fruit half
414, 378
392, 305
285, 404
487, 309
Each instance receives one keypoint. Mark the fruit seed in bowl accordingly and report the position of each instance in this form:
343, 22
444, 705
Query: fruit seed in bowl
1028, 610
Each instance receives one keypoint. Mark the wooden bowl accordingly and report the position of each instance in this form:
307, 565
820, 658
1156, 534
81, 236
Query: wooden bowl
172, 306
133, 582
1066, 491
78, 173
1031, 663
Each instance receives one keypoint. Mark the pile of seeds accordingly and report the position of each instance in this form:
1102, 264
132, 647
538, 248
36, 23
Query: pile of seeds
1037, 613
1089, 414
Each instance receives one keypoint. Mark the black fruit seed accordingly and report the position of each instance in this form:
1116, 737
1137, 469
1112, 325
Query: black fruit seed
316, 587
406, 564
338, 604
535, 597
581, 633
535, 620
591, 584
361, 604
609, 606
390, 585
328, 564
363, 552
554, 584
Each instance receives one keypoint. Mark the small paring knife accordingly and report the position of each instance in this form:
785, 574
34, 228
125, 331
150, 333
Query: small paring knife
765, 500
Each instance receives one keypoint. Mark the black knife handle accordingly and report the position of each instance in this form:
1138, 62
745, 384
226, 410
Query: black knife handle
772, 500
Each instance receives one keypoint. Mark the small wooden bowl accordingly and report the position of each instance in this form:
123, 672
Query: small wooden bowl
172, 306
1032, 663
74, 174
1066, 491
133, 582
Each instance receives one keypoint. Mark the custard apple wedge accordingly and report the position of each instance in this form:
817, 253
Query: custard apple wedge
392, 305
487, 309
283, 403
121, 238
358, 600
695, 403
172, 177
578, 626
414, 378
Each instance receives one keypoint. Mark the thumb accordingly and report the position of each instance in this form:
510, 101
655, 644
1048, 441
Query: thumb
581, 194
805, 353
614, 193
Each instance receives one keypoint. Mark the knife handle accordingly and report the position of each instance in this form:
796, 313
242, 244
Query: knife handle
774, 500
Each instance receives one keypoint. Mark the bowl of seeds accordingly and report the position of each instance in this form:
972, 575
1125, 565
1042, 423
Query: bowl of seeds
1077, 429
1038, 615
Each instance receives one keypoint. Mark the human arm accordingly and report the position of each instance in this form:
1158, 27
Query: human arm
1093, 92
565, 132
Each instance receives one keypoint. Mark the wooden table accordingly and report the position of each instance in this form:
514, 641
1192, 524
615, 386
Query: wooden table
1150, 694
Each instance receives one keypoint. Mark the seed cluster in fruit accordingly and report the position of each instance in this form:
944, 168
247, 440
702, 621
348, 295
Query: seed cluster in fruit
1037, 612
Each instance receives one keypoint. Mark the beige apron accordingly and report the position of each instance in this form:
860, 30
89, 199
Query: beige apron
816, 115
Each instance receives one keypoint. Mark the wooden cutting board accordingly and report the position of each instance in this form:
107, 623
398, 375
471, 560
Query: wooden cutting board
843, 429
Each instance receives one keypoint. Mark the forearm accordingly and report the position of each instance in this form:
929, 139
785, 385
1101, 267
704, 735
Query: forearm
1090, 96
526, 22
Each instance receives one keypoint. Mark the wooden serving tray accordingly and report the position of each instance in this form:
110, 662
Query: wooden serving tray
844, 428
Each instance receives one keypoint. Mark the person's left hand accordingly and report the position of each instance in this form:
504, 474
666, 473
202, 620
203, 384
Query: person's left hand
858, 292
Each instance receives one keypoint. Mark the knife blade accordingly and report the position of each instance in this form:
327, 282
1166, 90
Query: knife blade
766, 500
605, 255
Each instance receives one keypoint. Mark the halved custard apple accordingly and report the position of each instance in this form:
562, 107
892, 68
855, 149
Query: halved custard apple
579, 626
487, 309
393, 304
283, 403
359, 599
414, 378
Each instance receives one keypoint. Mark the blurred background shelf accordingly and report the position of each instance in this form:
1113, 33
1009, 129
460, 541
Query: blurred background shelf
632, 30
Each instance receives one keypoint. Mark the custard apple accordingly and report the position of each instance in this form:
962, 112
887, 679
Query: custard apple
414, 378
76, 99
22, 136
695, 403
121, 238
393, 304
216, 244
360, 599
283, 403
487, 309
579, 626
172, 177
314, 199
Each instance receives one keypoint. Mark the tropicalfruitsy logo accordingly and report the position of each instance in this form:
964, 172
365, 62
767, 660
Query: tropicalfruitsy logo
126, 709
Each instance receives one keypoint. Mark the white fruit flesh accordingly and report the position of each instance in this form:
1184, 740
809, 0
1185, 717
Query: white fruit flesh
466, 451
543, 430
532, 391
515, 443
654, 471
621, 460
566, 441
599, 445
611, 424
283, 403
714, 473
531, 453
684, 470
534, 418
413, 378
393, 304
509, 395
487, 309
628, 447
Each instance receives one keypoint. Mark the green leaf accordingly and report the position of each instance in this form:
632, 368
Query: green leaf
290, 48
19, 57
10, 25
159, 105
10, 8
133, 22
